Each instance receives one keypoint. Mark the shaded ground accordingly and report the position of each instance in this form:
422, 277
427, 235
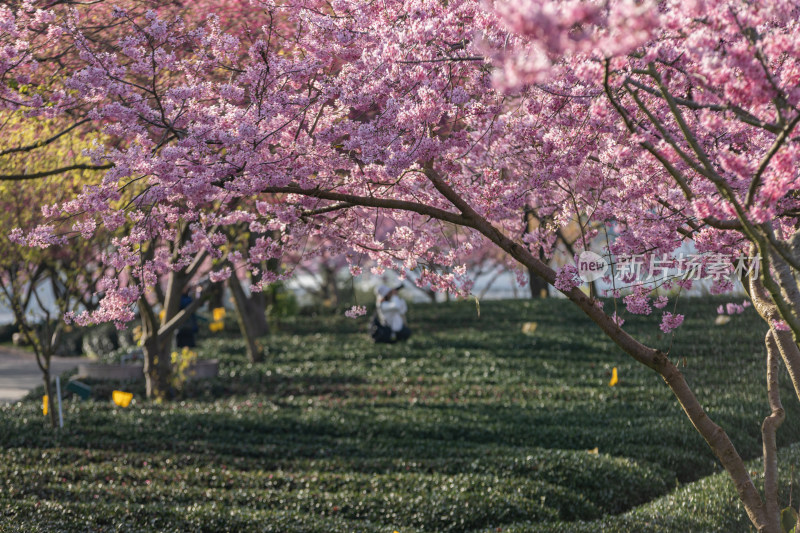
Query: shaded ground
19, 373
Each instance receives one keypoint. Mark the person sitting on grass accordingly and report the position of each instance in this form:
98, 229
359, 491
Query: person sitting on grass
389, 324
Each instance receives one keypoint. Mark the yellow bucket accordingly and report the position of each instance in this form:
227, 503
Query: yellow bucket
123, 399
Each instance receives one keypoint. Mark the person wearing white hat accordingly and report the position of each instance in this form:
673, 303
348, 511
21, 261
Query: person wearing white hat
389, 324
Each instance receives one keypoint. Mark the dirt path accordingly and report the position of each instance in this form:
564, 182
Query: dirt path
19, 372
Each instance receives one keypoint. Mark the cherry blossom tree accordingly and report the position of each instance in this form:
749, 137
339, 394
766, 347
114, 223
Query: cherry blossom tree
41, 286
669, 121
697, 105
37, 61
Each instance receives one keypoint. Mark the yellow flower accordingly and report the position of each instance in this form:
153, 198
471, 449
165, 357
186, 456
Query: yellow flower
614, 377
45, 404
218, 313
182, 366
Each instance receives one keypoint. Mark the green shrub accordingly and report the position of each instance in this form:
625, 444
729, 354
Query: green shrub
470, 426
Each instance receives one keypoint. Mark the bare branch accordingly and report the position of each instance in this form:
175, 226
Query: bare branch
368, 201
46, 173
43, 142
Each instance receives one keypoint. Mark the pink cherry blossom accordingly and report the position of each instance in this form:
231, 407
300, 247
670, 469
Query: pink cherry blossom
356, 311
670, 322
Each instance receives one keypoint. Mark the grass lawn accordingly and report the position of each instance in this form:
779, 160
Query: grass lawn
470, 426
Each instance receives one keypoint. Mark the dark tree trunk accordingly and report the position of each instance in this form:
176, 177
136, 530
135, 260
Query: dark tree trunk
430, 293
538, 285
246, 320
256, 308
158, 367
216, 297
157, 347
329, 289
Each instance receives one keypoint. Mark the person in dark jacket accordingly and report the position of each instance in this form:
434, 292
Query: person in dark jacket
187, 331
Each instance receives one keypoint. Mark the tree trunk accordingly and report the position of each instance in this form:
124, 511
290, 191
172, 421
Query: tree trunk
216, 298
768, 430
158, 344
330, 291
256, 308
246, 320
157, 354
158, 367
538, 285
158, 334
